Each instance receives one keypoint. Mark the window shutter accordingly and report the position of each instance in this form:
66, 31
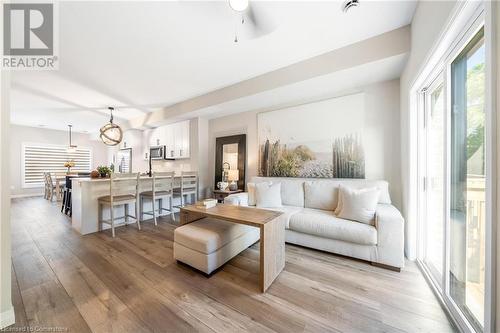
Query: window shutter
38, 159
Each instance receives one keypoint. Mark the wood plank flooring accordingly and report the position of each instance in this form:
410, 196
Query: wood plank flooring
95, 283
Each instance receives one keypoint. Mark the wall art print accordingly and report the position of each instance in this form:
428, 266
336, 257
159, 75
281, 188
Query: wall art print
316, 140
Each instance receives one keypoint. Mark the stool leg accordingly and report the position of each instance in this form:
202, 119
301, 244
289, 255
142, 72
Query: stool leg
63, 202
99, 217
70, 205
112, 213
126, 214
137, 214
172, 213
154, 211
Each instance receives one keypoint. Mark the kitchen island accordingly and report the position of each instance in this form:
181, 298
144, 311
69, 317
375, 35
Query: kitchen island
85, 208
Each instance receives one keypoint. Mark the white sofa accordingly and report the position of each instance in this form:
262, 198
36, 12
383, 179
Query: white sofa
311, 222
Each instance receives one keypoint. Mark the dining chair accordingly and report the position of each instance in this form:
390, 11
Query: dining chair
50, 187
188, 187
123, 191
46, 186
162, 188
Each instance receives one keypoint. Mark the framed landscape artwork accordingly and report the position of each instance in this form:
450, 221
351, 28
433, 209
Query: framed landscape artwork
316, 140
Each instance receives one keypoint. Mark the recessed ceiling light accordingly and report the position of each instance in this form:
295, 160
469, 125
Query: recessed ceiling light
238, 5
42, 125
349, 4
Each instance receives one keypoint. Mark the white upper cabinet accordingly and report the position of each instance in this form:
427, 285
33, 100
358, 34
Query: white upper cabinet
157, 136
170, 141
175, 137
185, 139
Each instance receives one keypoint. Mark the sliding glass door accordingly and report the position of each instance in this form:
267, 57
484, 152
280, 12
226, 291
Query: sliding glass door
468, 181
453, 155
434, 180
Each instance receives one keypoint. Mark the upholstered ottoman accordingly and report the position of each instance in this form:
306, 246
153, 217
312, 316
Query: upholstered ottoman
209, 243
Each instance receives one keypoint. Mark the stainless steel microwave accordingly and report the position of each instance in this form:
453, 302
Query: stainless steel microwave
157, 152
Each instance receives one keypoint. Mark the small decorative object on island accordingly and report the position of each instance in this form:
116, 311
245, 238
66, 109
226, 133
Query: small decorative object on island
111, 134
233, 177
94, 174
69, 165
104, 171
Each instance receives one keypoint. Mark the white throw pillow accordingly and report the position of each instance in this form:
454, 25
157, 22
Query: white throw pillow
321, 195
359, 205
268, 195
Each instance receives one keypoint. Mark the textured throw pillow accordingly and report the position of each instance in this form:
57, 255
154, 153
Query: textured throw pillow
359, 205
268, 195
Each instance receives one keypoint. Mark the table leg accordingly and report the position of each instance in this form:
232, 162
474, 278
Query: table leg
272, 251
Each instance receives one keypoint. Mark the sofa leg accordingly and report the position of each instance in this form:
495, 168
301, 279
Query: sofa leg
392, 268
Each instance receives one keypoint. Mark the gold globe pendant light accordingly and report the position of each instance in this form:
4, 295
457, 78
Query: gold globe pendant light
111, 134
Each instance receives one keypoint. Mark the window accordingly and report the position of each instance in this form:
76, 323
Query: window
468, 180
37, 159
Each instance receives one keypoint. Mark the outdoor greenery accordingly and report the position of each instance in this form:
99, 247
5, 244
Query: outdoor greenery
475, 112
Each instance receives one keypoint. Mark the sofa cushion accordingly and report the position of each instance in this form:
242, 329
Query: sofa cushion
208, 235
358, 205
292, 189
321, 194
288, 212
325, 224
268, 195
296, 183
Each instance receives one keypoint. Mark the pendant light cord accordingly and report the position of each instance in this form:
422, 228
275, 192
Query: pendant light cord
111, 109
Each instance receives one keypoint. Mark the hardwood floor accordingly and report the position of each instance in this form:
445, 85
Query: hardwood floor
95, 283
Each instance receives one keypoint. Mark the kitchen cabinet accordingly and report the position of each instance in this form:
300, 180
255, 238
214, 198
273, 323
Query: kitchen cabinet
157, 137
175, 138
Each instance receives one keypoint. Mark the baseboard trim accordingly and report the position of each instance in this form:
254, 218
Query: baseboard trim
7, 318
392, 268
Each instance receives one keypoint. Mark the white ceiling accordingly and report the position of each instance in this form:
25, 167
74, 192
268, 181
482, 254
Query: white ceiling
142, 56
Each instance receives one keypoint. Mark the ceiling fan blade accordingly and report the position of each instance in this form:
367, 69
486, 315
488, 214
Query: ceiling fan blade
257, 21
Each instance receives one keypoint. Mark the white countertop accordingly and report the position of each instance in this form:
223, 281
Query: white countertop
100, 180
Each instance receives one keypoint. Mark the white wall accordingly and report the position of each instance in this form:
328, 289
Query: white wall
6, 309
382, 123
24, 134
428, 22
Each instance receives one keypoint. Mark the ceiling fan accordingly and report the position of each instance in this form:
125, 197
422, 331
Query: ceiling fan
253, 20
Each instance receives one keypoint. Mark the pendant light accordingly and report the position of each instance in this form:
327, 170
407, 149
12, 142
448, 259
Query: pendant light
111, 134
71, 147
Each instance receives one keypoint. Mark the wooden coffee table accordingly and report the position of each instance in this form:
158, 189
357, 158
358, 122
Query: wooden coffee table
272, 233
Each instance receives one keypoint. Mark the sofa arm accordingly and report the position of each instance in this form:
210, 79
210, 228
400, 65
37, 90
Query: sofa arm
237, 199
390, 235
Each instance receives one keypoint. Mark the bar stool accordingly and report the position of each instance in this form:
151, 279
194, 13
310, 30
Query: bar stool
161, 189
66, 200
123, 191
189, 187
